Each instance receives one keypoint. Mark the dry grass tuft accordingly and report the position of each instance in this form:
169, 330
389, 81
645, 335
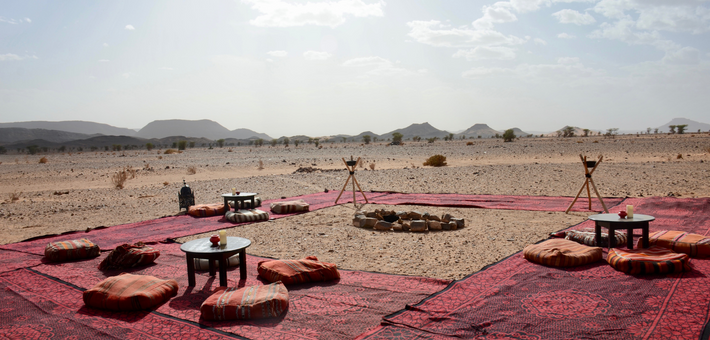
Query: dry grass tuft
165, 184
170, 151
372, 166
469, 143
679, 156
43, 160
596, 141
230, 150
261, 165
436, 160
707, 149
120, 177
131, 172
15, 196
191, 170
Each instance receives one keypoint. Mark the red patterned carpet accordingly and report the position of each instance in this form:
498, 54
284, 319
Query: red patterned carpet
516, 299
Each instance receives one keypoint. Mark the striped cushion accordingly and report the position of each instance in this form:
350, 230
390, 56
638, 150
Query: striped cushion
288, 207
204, 264
590, 238
128, 292
204, 210
71, 250
129, 255
654, 260
681, 242
246, 216
253, 302
246, 204
562, 253
297, 271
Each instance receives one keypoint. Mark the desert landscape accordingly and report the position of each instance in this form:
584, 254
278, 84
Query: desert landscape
74, 191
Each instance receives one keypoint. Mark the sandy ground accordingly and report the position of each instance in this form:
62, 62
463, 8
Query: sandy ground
73, 191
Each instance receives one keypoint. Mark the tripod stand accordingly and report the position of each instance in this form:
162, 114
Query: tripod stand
587, 181
351, 165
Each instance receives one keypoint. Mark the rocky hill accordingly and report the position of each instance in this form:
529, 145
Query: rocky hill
482, 130
423, 130
16, 134
179, 127
693, 126
75, 126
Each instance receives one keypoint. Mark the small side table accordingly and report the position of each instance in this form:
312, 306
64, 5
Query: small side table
241, 197
203, 249
613, 222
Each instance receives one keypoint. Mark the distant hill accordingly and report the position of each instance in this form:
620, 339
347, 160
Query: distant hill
248, 134
14, 135
519, 133
693, 126
75, 126
482, 130
423, 130
178, 127
108, 141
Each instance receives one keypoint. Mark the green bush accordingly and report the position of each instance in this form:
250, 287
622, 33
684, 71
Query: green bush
436, 160
182, 145
508, 135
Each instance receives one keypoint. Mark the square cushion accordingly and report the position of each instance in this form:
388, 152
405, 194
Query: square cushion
589, 237
241, 216
288, 207
681, 242
128, 256
205, 210
654, 260
254, 302
297, 271
71, 250
128, 292
562, 253
246, 204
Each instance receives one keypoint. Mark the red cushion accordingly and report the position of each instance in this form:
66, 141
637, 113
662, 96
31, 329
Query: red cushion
562, 253
71, 250
129, 255
241, 216
694, 245
128, 292
654, 260
297, 271
205, 210
253, 302
288, 207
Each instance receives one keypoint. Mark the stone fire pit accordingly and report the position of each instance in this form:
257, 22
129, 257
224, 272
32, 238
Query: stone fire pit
413, 221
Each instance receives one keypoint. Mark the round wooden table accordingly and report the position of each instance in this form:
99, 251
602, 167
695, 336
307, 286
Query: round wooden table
241, 197
613, 222
203, 249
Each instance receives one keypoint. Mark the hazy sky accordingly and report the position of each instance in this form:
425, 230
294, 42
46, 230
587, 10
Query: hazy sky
287, 67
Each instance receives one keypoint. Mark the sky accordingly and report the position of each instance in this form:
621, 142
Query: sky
288, 67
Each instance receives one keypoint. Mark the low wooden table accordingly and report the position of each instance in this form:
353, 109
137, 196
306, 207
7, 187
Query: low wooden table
203, 249
613, 222
241, 197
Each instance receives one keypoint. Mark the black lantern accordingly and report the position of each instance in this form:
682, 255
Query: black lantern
186, 197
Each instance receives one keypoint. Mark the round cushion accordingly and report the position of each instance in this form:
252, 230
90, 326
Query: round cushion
654, 260
562, 253
694, 245
590, 238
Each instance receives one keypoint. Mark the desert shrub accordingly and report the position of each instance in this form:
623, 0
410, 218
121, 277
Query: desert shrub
116, 147
32, 149
3, 150
182, 145
191, 170
508, 135
436, 160
469, 143
43, 160
220, 142
274, 142
372, 166
15, 196
119, 179
261, 165
229, 150
170, 151
192, 144
130, 172
296, 142
149, 146
397, 138
680, 156
431, 140
165, 184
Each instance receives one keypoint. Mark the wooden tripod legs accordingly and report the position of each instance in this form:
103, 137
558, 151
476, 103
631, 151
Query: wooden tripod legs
352, 175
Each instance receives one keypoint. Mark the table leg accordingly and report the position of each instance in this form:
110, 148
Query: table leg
243, 264
598, 231
211, 266
223, 272
644, 235
630, 238
612, 240
190, 270
253, 203
226, 204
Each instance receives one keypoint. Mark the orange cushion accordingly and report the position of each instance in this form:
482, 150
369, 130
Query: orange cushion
129, 255
297, 271
681, 242
654, 260
128, 292
288, 207
253, 302
562, 253
71, 250
204, 210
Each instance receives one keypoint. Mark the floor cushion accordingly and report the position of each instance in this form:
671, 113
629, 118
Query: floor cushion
204, 264
205, 210
254, 302
128, 292
129, 256
297, 271
244, 215
246, 204
589, 238
71, 250
694, 245
562, 253
288, 207
653, 260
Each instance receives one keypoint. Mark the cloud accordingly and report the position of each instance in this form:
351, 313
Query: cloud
566, 36
126, 75
570, 16
105, 44
659, 15
278, 13
378, 67
14, 21
15, 57
279, 54
28, 20
497, 14
104, 60
315, 55
522, 6
130, 27
624, 30
683, 56
567, 69
166, 68
486, 52
539, 41
435, 33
